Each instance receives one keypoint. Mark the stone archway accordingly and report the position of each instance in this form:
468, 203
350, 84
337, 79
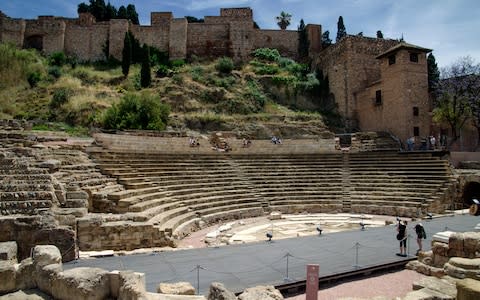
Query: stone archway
471, 190
34, 41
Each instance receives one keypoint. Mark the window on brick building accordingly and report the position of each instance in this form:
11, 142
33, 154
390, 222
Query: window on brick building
414, 57
416, 131
392, 59
415, 111
378, 97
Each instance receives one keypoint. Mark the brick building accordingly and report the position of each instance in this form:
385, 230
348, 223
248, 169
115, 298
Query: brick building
378, 84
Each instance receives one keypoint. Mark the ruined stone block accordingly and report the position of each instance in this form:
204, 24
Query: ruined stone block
7, 277
8, 251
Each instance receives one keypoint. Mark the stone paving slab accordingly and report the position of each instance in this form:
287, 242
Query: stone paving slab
246, 265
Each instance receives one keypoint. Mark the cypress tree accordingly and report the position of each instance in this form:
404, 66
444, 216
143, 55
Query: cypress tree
145, 73
342, 32
302, 41
126, 54
433, 72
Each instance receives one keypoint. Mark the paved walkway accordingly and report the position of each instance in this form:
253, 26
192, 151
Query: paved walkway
242, 266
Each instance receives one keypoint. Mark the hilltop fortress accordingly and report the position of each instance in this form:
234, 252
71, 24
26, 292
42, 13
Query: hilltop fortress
378, 84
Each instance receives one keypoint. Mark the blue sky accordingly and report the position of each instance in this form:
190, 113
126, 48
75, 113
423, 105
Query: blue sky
450, 27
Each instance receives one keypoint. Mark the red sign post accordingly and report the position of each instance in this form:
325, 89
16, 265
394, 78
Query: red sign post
312, 282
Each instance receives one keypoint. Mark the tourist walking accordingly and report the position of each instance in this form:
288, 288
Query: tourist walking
402, 237
420, 231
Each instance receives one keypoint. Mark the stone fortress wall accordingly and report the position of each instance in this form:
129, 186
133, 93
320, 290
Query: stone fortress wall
230, 34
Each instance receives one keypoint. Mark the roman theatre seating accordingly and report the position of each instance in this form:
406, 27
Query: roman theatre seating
172, 189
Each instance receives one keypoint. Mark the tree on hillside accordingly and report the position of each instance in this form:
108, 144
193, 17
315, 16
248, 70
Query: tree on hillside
302, 41
326, 40
379, 34
191, 19
126, 54
110, 11
132, 14
122, 12
341, 31
106, 12
433, 72
457, 97
145, 72
283, 20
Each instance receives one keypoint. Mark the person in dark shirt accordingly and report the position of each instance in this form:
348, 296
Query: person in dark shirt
420, 231
402, 237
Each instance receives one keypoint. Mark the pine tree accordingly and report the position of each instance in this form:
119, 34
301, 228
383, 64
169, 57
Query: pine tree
433, 72
302, 40
132, 14
341, 31
145, 72
122, 13
126, 54
379, 34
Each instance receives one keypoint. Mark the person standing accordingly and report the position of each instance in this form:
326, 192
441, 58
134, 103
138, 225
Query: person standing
420, 231
402, 237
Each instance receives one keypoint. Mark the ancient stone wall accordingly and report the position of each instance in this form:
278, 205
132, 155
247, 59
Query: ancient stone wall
12, 30
286, 41
94, 234
157, 37
208, 40
86, 43
178, 39
116, 36
51, 30
230, 34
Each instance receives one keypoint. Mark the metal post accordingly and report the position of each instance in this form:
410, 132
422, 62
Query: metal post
357, 245
198, 279
287, 278
408, 244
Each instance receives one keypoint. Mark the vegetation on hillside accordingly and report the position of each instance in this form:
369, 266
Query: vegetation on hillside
197, 95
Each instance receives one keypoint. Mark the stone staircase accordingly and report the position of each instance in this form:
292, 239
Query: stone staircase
24, 189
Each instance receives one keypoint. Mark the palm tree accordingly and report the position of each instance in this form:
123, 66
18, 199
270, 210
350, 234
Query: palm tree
283, 20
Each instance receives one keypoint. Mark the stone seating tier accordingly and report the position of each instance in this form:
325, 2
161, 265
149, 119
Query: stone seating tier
179, 191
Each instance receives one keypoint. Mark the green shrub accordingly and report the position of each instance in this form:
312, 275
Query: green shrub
163, 71
177, 63
60, 97
57, 59
226, 82
309, 84
137, 111
284, 80
267, 54
197, 73
33, 78
256, 96
55, 72
224, 65
284, 62
267, 70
